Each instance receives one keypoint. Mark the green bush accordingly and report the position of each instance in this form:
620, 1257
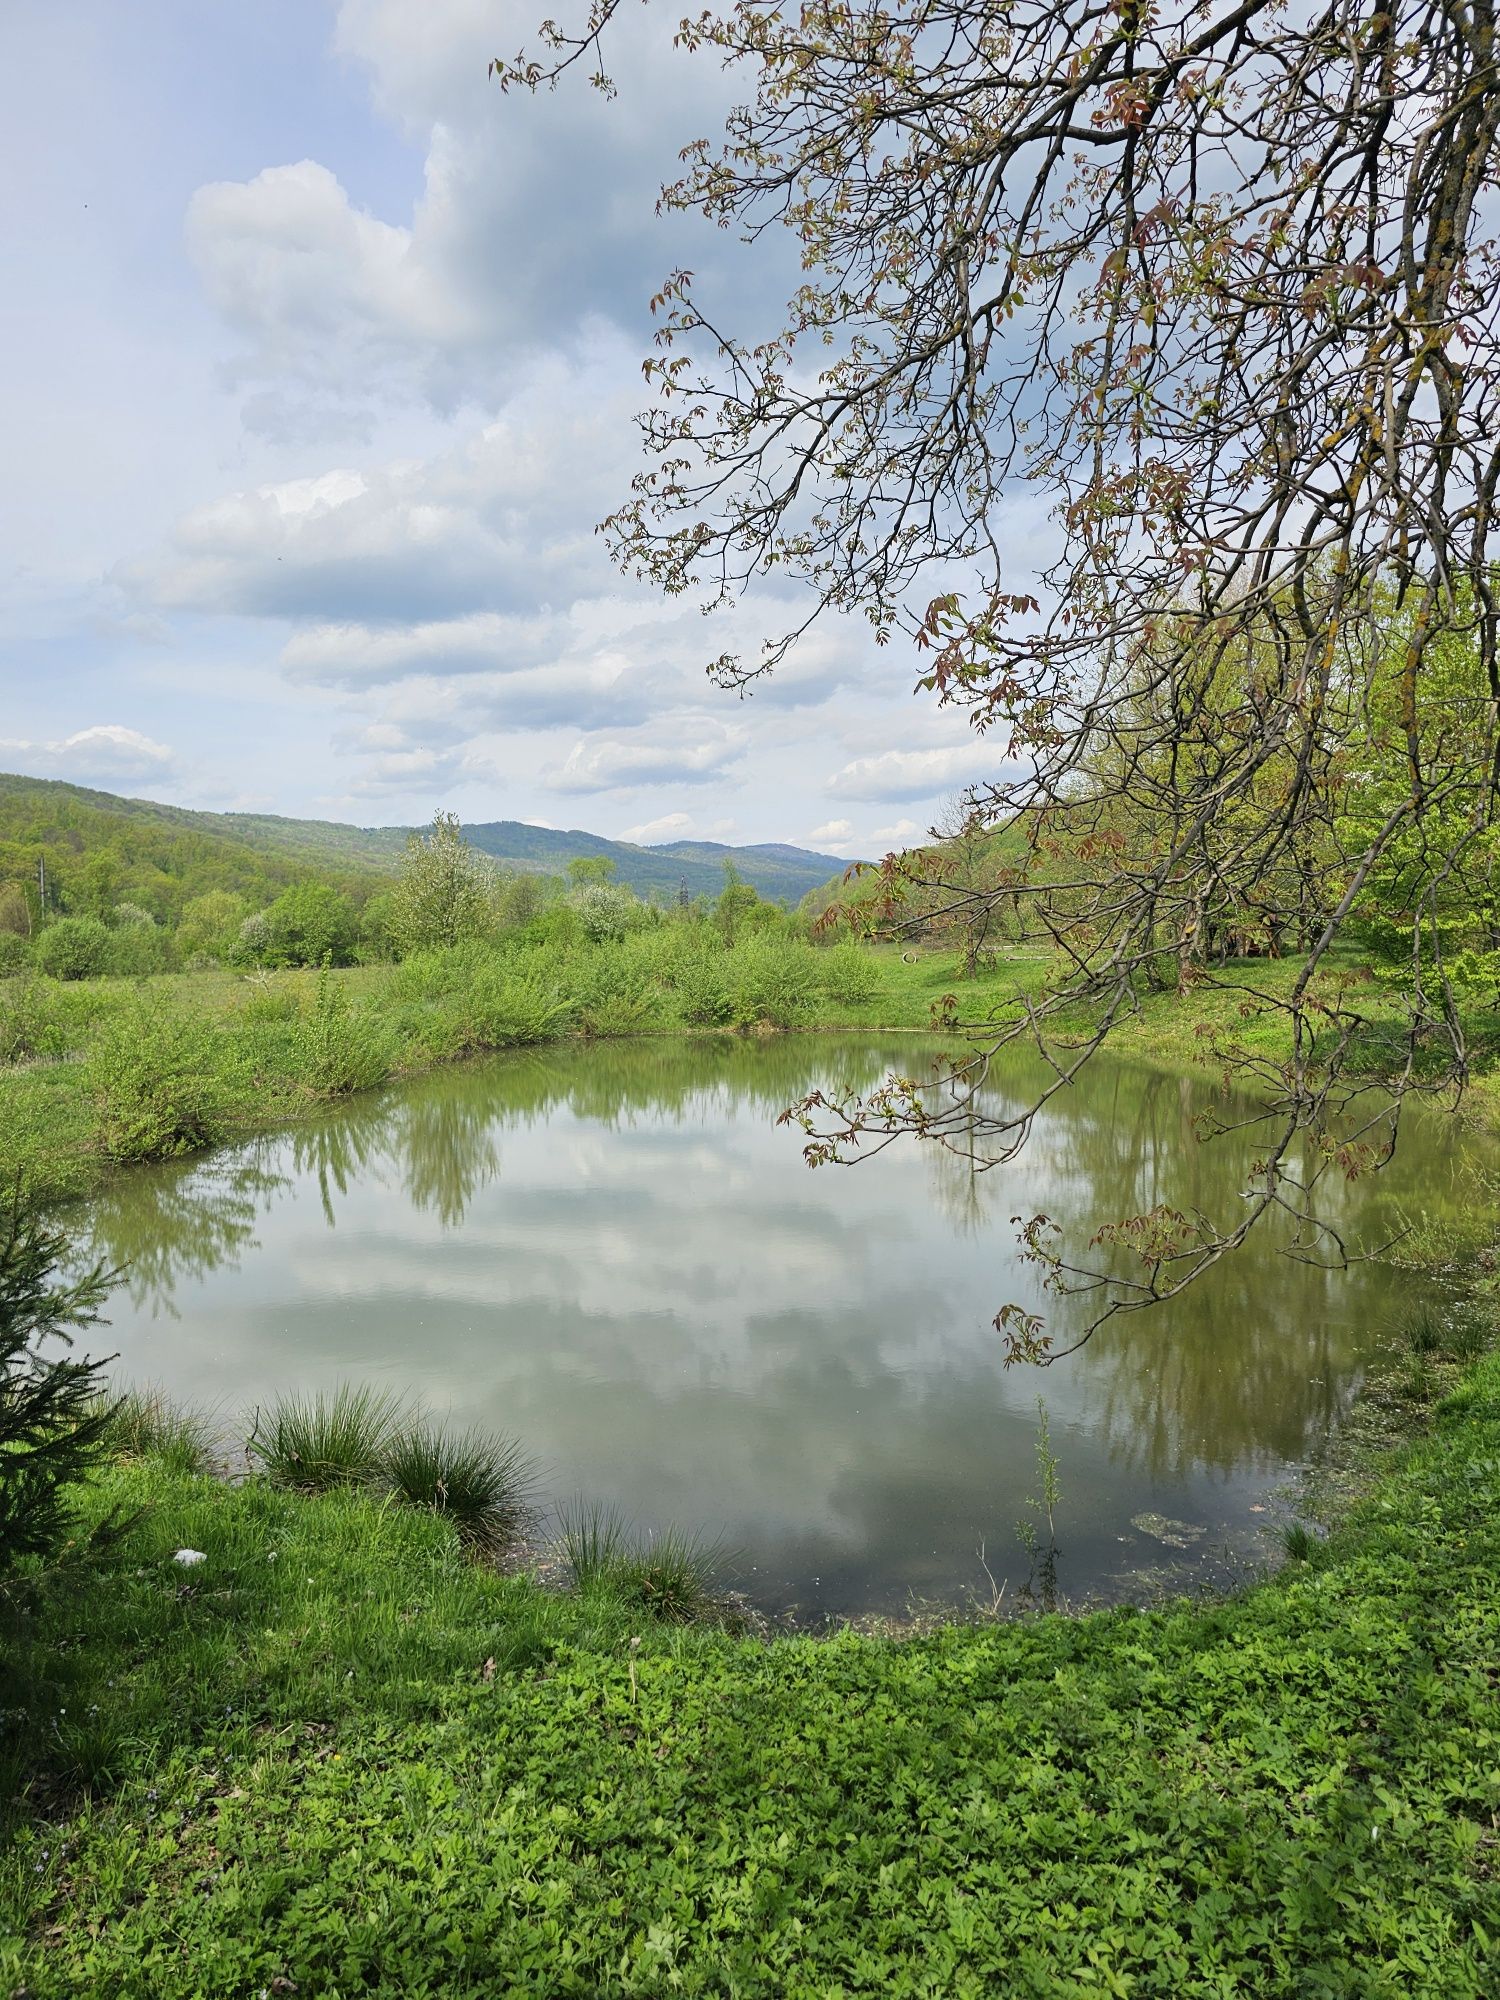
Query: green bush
504, 1009
29, 1025
311, 924
619, 989
340, 1049
137, 949
73, 948
157, 1084
773, 980
848, 974
15, 953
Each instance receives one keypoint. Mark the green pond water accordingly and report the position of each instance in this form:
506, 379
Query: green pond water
615, 1253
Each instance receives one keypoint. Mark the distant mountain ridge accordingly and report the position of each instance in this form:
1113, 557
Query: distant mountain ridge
776, 869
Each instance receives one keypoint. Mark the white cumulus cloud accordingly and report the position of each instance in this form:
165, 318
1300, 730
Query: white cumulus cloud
910, 774
108, 751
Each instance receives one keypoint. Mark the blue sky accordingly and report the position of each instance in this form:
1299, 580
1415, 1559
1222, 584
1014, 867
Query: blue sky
321, 360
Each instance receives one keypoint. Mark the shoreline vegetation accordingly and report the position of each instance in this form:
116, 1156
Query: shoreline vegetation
104, 1074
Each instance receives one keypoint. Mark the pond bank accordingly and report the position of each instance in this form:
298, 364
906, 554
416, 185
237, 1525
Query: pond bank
335, 1758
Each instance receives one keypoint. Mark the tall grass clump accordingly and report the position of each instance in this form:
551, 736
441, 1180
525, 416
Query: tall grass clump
1424, 1332
142, 1425
675, 1575
480, 1483
319, 1441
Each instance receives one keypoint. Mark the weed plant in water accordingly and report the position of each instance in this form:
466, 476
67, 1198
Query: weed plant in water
319, 1441
478, 1482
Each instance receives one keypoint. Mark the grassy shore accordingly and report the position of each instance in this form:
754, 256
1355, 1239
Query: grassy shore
339, 1759
100, 1074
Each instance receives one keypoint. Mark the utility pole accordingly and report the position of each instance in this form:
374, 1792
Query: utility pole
41, 871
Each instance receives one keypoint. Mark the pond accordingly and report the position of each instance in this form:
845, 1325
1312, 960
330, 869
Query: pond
614, 1253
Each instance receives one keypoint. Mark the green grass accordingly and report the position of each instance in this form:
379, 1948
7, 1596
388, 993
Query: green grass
314, 1442
338, 1754
674, 1575
481, 1484
145, 1427
104, 1073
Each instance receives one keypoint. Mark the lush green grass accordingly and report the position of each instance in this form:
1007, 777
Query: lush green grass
315, 1442
338, 1754
96, 1075
673, 1576
480, 1483
100, 1074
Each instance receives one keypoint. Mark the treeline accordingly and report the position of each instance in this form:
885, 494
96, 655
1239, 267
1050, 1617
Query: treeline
127, 900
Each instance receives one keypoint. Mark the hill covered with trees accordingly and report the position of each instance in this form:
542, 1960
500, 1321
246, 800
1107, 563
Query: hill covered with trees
99, 850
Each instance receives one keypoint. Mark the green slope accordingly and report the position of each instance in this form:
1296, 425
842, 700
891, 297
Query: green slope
170, 853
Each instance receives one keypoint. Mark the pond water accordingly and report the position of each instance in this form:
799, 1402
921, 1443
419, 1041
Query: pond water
614, 1253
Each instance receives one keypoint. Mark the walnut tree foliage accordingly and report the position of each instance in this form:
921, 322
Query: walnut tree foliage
1211, 290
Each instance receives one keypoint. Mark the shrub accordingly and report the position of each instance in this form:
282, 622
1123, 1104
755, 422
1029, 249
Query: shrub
773, 980
72, 948
507, 1009
28, 1022
311, 924
138, 948
605, 911
699, 974
316, 1442
671, 1575
479, 1483
619, 991
432, 975
337, 1049
15, 952
156, 1085
52, 1424
847, 974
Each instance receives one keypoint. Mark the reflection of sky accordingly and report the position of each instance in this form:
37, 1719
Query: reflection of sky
643, 1281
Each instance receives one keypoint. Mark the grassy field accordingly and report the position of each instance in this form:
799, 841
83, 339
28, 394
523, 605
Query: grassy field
338, 1759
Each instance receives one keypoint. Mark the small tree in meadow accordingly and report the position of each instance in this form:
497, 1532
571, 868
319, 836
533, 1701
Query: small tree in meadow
444, 893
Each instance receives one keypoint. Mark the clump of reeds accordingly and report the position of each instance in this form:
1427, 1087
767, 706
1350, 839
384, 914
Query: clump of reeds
675, 1575
314, 1442
143, 1424
481, 1483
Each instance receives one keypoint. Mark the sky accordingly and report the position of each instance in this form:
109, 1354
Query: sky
321, 358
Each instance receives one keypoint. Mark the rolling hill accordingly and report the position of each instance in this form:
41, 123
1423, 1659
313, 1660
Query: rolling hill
43, 816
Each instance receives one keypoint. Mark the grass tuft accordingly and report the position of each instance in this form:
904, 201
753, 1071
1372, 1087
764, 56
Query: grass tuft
479, 1482
1424, 1331
144, 1425
1299, 1542
319, 1441
675, 1575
